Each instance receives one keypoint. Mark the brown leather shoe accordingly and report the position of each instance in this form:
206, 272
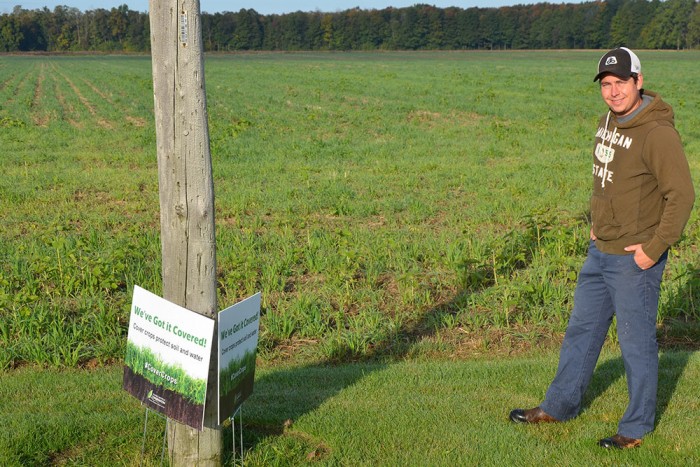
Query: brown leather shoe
535, 415
619, 442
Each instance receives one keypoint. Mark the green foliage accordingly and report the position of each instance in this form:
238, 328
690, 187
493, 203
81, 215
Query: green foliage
579, 25
11, 122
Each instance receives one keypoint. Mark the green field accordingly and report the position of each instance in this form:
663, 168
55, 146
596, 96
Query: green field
384, 204
389, 206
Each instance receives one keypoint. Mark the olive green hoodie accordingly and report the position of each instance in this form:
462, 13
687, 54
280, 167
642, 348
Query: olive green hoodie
642, 191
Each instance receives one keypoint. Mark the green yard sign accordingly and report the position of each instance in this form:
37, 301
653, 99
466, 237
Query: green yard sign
167, 358
238, 341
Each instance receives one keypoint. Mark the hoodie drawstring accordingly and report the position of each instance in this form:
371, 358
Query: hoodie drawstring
607, 155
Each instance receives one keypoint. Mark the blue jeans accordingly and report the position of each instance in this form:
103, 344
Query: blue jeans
607, 285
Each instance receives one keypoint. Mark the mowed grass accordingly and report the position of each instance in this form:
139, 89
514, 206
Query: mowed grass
436, 413
385, 204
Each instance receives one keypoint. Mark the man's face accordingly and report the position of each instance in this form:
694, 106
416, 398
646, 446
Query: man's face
621, 95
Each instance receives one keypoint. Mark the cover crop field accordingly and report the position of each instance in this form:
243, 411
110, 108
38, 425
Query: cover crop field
386, 205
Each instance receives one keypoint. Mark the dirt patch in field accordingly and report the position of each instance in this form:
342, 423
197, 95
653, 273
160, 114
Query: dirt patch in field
104, 123
433, 119
97, 91
100, 197
39, 118
5, 83
136, 121
68, 110
678, 334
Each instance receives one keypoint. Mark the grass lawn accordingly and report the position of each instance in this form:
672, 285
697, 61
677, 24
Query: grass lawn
405, 413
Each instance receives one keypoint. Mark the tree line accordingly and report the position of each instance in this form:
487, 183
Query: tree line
652, 24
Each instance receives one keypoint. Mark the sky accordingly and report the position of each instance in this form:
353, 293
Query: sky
268, 7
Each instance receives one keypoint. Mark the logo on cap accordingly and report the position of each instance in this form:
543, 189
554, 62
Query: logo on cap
611, 61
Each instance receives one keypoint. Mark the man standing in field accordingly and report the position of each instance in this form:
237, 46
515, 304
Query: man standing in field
641, 201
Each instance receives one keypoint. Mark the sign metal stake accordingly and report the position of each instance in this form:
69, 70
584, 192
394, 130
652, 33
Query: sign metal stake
143, 441
233, 430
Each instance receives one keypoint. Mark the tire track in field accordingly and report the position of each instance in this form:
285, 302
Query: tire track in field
68, 109
5, 83
17, 93
136, 121
40, 118
21, 82
85, 101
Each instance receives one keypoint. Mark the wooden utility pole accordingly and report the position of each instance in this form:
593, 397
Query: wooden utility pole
186, 196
